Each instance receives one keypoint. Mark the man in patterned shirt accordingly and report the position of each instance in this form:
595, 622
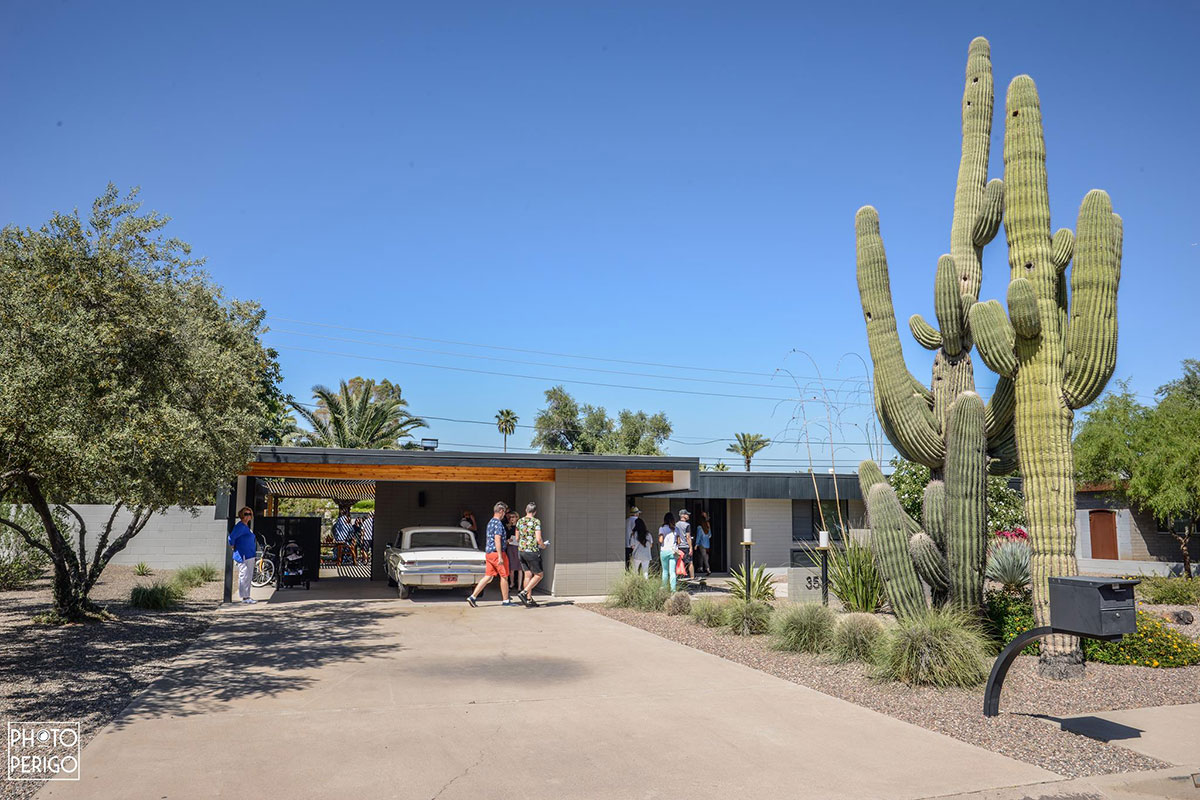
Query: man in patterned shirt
530, 544
496, 562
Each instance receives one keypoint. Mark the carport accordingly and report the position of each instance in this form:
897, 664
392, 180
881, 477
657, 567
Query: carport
581, 499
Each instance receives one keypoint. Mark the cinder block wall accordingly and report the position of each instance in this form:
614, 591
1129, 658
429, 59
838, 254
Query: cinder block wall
544, 495
589, 539
170, 540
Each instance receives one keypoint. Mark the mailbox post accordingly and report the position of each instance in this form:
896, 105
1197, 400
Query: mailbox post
1095, 608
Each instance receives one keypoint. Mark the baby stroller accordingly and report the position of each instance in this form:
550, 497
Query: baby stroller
291, 561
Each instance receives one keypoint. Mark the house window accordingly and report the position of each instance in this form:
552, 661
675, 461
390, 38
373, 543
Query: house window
802, 558
830, 510
1177, 526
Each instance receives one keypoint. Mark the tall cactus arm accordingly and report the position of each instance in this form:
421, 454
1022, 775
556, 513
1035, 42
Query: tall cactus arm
929, 562
890, 532
988, 221
906, 417
948, 305
998, 415
1023, 308
995, 337
978, 100
933, 512
1091, 343
1062, 247
923, 391
869, 474
1002, 453
1026, 198
926, 335
966, 501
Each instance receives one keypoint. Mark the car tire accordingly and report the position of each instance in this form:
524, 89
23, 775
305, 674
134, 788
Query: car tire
405, 592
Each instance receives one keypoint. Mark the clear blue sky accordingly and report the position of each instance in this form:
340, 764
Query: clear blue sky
661, 182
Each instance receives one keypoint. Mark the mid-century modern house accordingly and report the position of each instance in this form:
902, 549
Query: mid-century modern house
1113, 537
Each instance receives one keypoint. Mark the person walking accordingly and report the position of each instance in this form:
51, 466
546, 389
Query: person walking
245, 548
703, 543
683, 540
343, 532
510, 550
496, 563
634, 513
639, 559
667, 551
531, 544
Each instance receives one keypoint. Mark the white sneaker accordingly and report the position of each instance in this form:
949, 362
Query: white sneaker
249, 601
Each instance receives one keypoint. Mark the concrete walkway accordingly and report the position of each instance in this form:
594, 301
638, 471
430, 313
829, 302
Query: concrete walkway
386, 698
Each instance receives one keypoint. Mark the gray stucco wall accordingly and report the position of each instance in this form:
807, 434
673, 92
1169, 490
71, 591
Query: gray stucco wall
589, 524
170, 540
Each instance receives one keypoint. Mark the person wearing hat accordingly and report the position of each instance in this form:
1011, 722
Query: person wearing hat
634, 513
683, 541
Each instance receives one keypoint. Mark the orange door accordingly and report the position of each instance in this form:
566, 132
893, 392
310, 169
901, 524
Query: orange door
1103, 526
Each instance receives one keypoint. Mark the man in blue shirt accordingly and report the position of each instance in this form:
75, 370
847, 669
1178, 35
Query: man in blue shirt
245, 548
495, 558
343, 530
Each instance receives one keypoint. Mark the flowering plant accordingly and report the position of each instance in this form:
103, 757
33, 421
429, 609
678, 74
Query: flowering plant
1017, 534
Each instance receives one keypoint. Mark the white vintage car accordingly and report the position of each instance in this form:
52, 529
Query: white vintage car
433, 558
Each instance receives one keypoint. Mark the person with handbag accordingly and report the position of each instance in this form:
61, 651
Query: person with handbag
683, 540
668, 553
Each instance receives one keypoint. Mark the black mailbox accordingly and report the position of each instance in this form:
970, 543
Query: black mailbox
1099, 608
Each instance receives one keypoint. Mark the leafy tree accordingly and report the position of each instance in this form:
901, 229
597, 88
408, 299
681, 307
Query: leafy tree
128, 378
358, 416
1105, 442
564, 426
1005, 507
506, 423
747, 445
1187, 386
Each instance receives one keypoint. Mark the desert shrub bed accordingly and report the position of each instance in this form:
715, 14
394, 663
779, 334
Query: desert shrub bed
1160, 590
1154, 645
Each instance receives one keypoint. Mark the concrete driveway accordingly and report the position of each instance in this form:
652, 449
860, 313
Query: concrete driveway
386, 698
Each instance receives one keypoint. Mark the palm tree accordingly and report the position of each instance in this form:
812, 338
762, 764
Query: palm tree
506, 423
747, 445
354, 418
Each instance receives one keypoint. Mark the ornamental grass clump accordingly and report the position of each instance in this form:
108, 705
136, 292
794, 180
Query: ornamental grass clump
195, 575
1160, 590
857, 637
747, 618
939, 648
678, 603
633, 590
803, 628
1154, 645
158, 596
708, 612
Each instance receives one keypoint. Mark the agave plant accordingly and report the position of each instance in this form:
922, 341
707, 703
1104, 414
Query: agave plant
1008, 565
761, 586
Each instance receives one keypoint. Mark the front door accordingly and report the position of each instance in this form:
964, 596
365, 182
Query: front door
1103, 525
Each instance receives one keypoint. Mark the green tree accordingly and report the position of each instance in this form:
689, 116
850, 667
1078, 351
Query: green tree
128, 379
747, 446
1005, 506
564, 426
506, 423
357, 416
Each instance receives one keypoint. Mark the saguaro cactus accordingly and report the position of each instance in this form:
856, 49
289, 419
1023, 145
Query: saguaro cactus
945, 427
1059, 347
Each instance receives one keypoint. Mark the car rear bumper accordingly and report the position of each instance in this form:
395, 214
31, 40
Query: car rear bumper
434, 579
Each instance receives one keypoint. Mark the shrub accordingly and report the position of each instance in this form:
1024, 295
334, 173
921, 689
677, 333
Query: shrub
747, 618
158, 596
938, 648
803, 628
1008, 565
195, 575
762, 585
708, 612
632, 590
1160, 590
853, 577
678, 603
1010, 615
142, 568
1154, 645
857, 637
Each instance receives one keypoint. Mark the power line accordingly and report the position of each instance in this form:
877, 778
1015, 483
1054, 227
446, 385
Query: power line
550, 353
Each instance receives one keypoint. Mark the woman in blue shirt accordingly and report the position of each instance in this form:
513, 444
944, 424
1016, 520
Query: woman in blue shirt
703, 543
245, 548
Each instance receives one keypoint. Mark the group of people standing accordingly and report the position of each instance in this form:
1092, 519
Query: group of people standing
358, 533
512, 545
677, 541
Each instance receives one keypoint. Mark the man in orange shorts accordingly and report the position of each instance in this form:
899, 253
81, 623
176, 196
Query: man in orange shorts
497, 563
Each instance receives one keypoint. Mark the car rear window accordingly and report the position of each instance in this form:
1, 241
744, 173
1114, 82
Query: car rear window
441, 539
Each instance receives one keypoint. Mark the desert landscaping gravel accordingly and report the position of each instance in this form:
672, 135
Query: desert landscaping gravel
1029, 706
89, 672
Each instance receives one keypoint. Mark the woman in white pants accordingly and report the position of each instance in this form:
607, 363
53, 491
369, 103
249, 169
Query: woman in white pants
639, 541
245, 548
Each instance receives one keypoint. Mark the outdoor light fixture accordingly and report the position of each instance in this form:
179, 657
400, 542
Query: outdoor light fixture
429, 444
746, 559
823, 540
823, 546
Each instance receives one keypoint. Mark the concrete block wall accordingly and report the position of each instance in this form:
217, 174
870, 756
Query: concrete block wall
544, 495
1138, 535
589, 519
170, 540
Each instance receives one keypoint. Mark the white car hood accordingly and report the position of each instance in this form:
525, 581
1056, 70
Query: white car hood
442, 554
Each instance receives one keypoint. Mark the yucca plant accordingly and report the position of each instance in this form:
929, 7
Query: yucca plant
1008, 565
141, 568
854, 578
761, 585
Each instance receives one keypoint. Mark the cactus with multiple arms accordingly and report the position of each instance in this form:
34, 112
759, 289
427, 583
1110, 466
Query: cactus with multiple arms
946, 428
1058, 348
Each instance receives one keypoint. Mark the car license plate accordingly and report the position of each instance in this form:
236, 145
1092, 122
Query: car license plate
449, 578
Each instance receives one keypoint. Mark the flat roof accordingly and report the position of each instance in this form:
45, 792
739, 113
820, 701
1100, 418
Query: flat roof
450, 458
767, 486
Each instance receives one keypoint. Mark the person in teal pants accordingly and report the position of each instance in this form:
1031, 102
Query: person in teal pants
667, 551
